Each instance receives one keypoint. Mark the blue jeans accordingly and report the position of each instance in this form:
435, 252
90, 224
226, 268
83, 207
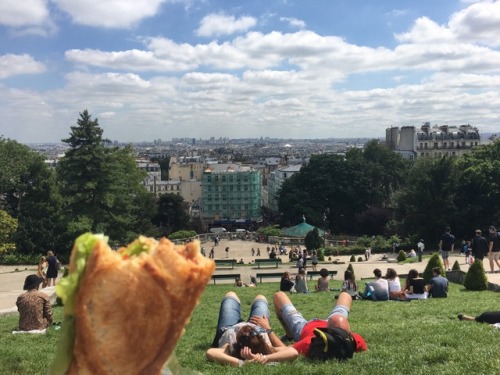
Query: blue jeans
230, 314
296, 322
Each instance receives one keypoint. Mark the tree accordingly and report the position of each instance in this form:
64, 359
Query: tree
476, 279
313, 240
477, 188
434, 261
171, 214
29, 193
8, 226
102, 186
425, 206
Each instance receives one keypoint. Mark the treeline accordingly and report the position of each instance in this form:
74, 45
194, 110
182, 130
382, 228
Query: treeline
375, 191
95, 187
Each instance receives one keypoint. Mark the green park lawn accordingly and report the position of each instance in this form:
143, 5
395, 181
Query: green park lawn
418, 337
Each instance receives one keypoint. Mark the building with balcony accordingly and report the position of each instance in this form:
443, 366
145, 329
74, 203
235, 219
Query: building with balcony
434, 140
231, 193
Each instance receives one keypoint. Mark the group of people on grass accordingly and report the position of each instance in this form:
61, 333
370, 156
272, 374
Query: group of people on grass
380, 289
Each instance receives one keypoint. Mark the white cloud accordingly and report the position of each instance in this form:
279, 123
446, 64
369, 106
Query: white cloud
221, 24
480, 23
12, 65
294, 22
109, 13
23, 13
426, 31
397, 13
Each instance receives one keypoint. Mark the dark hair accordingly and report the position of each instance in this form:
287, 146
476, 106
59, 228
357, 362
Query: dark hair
436, 270
253, 340
377, 272
323, 272
411, 275
331, 343
348, 275
391, 273
286, 275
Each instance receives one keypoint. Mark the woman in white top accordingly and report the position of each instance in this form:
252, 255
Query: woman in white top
394, 284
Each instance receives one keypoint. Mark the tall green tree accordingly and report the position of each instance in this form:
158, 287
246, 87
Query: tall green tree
29, 193
8, 226
342, 188
171, 214
425, 206
477, 189
102, 186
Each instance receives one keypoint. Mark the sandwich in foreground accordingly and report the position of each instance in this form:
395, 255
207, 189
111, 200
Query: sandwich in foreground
125, 310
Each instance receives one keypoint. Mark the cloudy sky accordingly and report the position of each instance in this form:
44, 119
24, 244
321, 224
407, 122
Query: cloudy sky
151, 69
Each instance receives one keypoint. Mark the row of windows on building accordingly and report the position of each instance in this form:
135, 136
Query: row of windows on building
446, 145
215, 189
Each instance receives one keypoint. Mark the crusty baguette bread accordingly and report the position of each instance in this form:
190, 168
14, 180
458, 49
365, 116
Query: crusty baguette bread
130, 313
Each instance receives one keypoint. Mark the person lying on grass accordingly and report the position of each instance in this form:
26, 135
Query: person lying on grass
237, 342
490, 317
317, 338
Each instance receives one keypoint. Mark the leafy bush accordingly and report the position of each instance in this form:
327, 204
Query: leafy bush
321, 255
360, 259
364, 241
274, 231
456, 266
476, 279
434, 261
401, 256
353, 258
182, 234
313, 240
15, 259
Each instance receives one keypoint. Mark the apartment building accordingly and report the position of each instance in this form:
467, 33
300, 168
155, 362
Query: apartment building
232, 193
276, 179
436, 140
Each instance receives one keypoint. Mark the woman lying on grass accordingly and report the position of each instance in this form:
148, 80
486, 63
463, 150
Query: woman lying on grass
237, 342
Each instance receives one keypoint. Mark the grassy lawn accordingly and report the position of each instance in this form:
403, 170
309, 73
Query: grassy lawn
418, 337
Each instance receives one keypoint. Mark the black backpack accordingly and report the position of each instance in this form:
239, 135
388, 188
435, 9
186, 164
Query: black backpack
330, 343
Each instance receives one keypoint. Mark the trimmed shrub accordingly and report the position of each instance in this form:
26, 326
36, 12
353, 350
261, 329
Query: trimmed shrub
434, 261
353, 258
476, 279
401, 256
182, 234
456, 266
360, 259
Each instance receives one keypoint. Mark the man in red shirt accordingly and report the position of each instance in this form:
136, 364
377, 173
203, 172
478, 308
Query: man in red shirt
320, 338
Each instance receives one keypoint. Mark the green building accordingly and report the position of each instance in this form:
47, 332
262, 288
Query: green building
231, 193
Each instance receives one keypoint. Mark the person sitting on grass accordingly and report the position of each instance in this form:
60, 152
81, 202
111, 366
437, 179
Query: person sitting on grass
35, 311
237, 342
394, 284
320, 338
415, 286
286, 284
490, 317
349, 285
301, 282
323, 280
438, 287
377, 290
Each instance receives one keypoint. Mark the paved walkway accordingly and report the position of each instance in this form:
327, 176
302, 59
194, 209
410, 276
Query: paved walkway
11, 281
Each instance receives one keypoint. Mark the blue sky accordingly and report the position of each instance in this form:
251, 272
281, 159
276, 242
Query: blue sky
150, 69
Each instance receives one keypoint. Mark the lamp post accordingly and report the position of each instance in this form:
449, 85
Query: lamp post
324, 229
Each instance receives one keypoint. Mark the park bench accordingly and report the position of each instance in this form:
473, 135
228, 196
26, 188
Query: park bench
316, 273
273, 262
268, 275
226, 276
225, 263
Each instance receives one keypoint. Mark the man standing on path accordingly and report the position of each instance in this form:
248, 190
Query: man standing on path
420, 247
446, 244
494, 248
479, 246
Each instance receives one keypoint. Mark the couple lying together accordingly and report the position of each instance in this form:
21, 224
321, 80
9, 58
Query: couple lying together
237, 342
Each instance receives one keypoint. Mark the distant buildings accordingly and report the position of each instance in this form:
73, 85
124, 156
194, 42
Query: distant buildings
276, 179
434, 140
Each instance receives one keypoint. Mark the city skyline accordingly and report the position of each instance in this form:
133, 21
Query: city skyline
163, 69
